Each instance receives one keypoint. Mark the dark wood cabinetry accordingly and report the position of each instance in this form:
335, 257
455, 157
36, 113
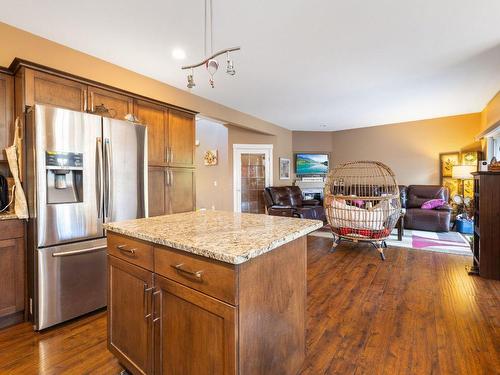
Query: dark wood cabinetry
108, 104
171, 190
12, 272
155, 117
180, 190
487, 224
171, 131
44, 88
128, 301
181, 129
6, 112
170, 134
192, 322
185, 314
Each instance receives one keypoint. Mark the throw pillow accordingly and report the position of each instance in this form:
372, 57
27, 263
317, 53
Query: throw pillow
432, 204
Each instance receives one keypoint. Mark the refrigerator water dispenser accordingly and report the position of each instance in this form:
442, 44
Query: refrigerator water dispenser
64, 177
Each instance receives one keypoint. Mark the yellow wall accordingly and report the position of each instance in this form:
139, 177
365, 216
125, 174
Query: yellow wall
18, 43
411, 149
491, 113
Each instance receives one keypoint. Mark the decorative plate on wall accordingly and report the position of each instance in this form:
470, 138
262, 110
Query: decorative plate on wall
210, 157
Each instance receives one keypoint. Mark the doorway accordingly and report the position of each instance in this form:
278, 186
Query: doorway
252, 172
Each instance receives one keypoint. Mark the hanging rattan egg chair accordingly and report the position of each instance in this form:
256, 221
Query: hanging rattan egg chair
362, 203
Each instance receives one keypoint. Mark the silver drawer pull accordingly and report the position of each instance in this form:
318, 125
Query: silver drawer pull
125, 250
180, 269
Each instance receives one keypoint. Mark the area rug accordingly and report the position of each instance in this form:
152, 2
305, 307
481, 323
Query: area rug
446, 242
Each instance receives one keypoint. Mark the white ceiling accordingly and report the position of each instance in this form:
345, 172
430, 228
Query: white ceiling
303, 64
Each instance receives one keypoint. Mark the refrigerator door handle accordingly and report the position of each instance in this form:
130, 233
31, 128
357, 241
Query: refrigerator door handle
107, 181
79, 252
99, 182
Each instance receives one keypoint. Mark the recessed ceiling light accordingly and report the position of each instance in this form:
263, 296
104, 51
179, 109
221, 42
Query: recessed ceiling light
178, 54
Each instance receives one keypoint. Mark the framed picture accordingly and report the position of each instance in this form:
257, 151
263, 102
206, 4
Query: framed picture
452, 184
469, 189
447, 161
284, 169
471, 157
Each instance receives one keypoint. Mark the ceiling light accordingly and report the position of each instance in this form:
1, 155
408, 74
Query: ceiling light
178, 54
210, 63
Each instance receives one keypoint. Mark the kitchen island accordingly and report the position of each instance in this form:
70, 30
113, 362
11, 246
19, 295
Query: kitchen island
208, 293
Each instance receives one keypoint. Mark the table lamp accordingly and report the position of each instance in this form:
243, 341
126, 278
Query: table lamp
463, 172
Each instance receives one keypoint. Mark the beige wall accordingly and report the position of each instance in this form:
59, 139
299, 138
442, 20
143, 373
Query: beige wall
214, 184
410, 149
212, 135
244, 128
312, 141
491, 113
18, 43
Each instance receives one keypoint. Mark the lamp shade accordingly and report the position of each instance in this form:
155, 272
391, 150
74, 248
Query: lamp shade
463, 172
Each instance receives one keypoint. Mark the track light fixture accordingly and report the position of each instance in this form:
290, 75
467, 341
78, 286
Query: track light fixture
190, 78
230, 66
211, 64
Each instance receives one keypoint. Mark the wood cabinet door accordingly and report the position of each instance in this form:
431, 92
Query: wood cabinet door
195, 333
155, 118
181, 190
181, 133
6, 112
156, 191
56, 91
129, 323
11, 276
109, 104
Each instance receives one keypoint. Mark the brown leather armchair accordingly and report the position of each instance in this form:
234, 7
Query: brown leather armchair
412, 198
287, 201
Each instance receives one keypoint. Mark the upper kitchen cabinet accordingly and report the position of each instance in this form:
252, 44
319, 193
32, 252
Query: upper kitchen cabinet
170, 134
181, 133
109, 104
6, 112
155, 118
43, 88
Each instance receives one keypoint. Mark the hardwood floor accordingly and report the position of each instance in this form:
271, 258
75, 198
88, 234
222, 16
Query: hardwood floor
416, 313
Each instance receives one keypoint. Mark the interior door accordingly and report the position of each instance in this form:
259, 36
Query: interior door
195, 333
129, 325
125, 170
252, 173
181, 190
181, 131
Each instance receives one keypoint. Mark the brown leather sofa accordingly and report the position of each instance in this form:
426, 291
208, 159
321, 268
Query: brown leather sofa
412, 198
287, 201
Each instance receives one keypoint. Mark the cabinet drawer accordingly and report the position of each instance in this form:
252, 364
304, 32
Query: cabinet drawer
131, 250
211, 277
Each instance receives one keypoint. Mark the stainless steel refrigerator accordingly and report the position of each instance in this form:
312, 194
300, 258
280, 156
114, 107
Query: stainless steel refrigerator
82, 170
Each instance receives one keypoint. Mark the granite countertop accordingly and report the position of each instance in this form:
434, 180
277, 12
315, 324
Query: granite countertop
226, 236
7, 216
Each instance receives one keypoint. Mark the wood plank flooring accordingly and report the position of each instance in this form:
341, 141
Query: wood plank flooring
416, 313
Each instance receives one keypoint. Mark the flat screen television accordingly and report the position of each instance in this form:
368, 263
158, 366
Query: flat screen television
311, 164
